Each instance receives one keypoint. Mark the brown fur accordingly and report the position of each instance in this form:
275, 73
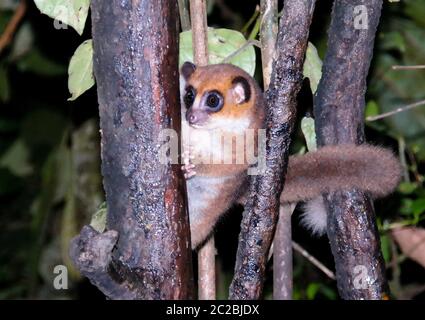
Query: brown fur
215, 187
341, 167
219, 77
212, 197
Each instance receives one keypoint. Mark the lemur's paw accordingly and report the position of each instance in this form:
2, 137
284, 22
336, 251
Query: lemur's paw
188, 167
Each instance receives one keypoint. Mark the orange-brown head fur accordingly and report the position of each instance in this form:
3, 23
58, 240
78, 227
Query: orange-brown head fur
241, 94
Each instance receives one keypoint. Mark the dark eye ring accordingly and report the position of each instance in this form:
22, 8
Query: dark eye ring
213, 100
189, 97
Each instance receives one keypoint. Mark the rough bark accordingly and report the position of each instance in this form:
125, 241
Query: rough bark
261, 211
339, 113
136, 68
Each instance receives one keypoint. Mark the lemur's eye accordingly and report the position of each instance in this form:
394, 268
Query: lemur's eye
214, 100
189, 97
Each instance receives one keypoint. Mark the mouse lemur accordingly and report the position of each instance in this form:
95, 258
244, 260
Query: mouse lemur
222, 100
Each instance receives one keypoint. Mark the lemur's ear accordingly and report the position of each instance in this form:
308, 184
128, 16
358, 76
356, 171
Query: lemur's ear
187, 69
241, 90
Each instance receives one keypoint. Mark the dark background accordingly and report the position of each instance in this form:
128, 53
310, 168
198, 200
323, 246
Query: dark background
50, 183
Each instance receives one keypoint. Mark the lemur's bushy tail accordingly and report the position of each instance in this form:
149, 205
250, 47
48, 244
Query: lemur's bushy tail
343, 167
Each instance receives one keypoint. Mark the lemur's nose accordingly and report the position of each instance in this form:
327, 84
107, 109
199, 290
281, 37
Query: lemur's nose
196, 117
192, 119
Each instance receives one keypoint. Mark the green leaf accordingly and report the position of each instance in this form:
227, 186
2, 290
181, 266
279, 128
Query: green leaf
312, 67
386, 247
328, 292
312, 290
406, 207
418, 206
392, 89
71, 12
36, 62
80, 70
372, 109
16, 159
407, 187
221, 44
308, 129
24, 40
393, 41
98, 220
416, 10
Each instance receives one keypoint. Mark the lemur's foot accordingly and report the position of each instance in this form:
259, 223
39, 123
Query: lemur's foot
188, 167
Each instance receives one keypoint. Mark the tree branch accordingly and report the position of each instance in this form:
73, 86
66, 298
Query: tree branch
268, 35
13, 24
198, 10
417, 67
92, 254
395, 111
259, 219
206, 254
313, 260
184, 14
339, 113
136, 68
282, 255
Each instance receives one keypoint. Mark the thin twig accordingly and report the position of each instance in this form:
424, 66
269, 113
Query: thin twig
206, 271
402, 156
13, 24
184, 14
251, 20
206, 254
255, 30
394, 264
268, 35
398, 110
414, 165
242, 48
313, 260
408, 67
198, 10
282, 255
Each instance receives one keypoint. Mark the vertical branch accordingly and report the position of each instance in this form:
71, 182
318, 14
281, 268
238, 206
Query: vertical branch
206, 254
7, 36
206, 271
282, 249
146, 254
198, 10
259, 219
184, 14
268, 35
282, 255
339, 112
